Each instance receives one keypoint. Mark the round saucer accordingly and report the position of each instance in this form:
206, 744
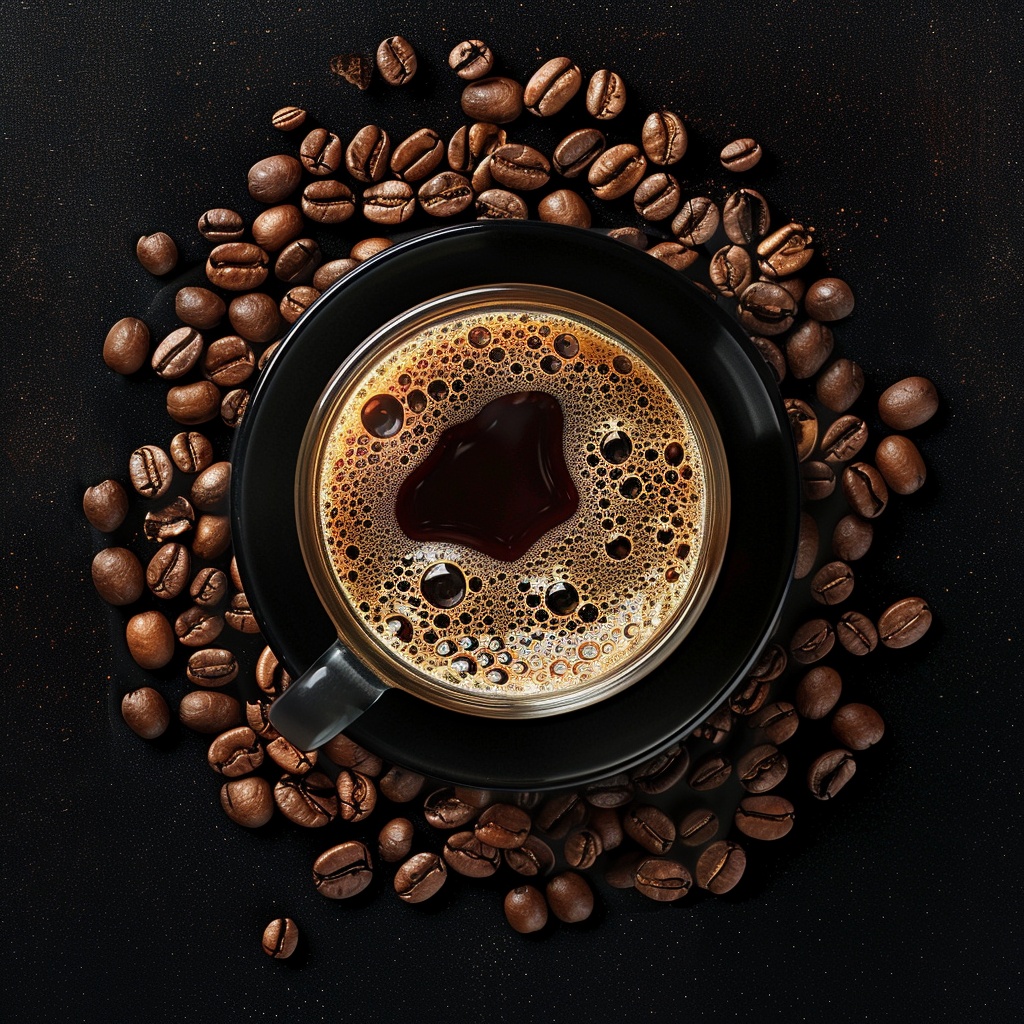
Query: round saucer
623, 730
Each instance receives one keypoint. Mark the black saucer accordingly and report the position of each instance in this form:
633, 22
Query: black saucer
623, 730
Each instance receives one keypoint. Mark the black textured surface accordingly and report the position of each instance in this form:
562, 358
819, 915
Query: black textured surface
128, 894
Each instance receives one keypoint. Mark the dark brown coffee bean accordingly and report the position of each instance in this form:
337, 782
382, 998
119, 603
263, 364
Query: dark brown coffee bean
750, 697
582, 848
105, 505
606, 95
145, 712
807, 547
865, 490
564, 207
228, 361
662, 772
840, 385
211, 667
177, 353
255, 317
157, 253
268, 352
257, 717
503, 826
213, 535
288, 757
677, 256
661, 879
478, 798
843, 439
499, 204
237, 266
274, 179
717, 727
330, 272
417, 156
357, 795
908, 403
389, 203
199, 307
346, 753
210, 488
900, 464
396, 61
650, 827
818, 691
771, 663
857, 633
857, 726
219, 226
552, 85
851, 539
533, 859
239, 616
169, 522
829, 299
209, 712
766, 308
235, 752
471, 59
804, 424
762, 768
819, 480
560, 814
298, 261
696, 221
526, 910
399, 785
126, 345
740, 155
617, 171
297, 301
657, 197
150, 471
420, 877
520, 167
785, 251
812, 641
276, 227
232, 409
577, 151
832, 583
288, 118
498, 100
904, 622
368, 155
777, 721
248, 801
765, 817
570, 897
796, 286
746, 217
308, 800
395, 840
327, 202
710, 772
721, 866
197, 627
468, 856
445, 195
632, 237
830, 772
698, 827
615, 791
354, 68
168, 570
272, 679
344, 870
731, 270
280, 938
664, 138
443, 809
459, 156
807, 348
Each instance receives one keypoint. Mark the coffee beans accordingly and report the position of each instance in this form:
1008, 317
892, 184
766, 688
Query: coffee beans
209, 587
746, 217
446, 194
274, 179
777, 721
471, 59
468, 856
150, 639
498, 100
285, 754
570, 898
785, 251
298, 261
840, 385
199, 307
276, 227
344, 870
807, 348
211, 667
650, 827
177, 353
232, 409
498, 204
209, 712
534, 859
288, 118
577, 151
851, 538
237, 266
721, 866
908, 403
832, 583
248, 801
526, 909
765, 817
105, 505
235, 752
126, 345
807, 546
812, 641
696, 221
503, 826
662, 879
655, 776
220, 225
677, 256
564, 207
171, 521
168, 570
843, 439
520, 167
829, 299
552, 86
857, 633
357, 795
255, 317
698, 827
766, 308
396, 61
904, 622
657, 197
420, 877
804, 425
664, 138
710, 772
865, 490
192, 404
616, 171
900, 464
117, 575
606, 95
395, 840
829, 772
327, 274
308, 800
145, 712
857, 726
818, 691
280, 938
762, 768
197, 627
150, 471
730, 270
417, 156
157, 253
400, 785
389, 203
582, 848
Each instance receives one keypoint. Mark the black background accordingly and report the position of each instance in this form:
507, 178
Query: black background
128, 894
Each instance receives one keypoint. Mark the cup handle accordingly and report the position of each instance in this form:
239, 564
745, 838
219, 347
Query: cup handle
334, 691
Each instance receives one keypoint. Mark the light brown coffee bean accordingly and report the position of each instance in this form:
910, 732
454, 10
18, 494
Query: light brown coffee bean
467, 855
765, 817
497, 100
696, 221
865, 490
721, 866
908, 403
746, 218
297, 301
396, 61
275, 227
168, 570
520, 167
212, 537
157, 253
357, 795
819, 480
307, 800
471, 59
297, 261
346, 753
500, 204
785, 251
812, 641
657, 197
551, 86
900, 464
150, 471
199, 307
255, 317
661, 879
570, 897
257, 717
228, 361
840, 385
327, 202
237, 266
280, 938
843, 439
677, 256
321, 152
105, 505
333, 271
420, 877
211, 667
145, 712
126, 345
617, 171
740, 155
577, 151
857, 726
399, 785
232, 407
220, 225
289, 758
271, 676
762, 768
445, 195
851, 539
829, 773
807, 348
274, 179
664, 138
766, 308
169, 522
804, 424
857, 633
209, 711
395, 840
731, 271
417, 157
389, 203
650, 827
564, 207
198, 627
698, 827
235, 752
832, 583
177, 353
534, 859
503, 826
632, 237
606, 95
248, 801
287, 119
344, 870
772, 355
526, 910
582, 848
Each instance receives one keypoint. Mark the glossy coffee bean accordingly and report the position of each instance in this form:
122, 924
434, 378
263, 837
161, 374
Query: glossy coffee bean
332, 271
804, 424
710, 772
268, 353
577, 151
819, 480
389, 203
851, 538
746, 217
661, 772
220, 225
829, 772
534, 859
865, 490
396, 61
497, 100
235, 752
239, 616
343, 871
777, 721
418, 156
564, 207
247, 801
582, 848
274, 179
857, 726
664, 138
460, 158
721, 866
126, 345
212, 537
280, 938
731, 272
287, 756
445, 195
357, 795
255, 317
843, 440
500, 204
766, 308
444, 810
606, 95
661, 879
237, 266
297, 301
471, 59
209, 712
857, 633
157, 253
904, 622
677, 256
275, 227
526, 910
696, 221
145, 712
812, 641
807, 348
177, 353
297, 261
197, 627
900, 464
807, 546
840, 385
785, 251
698, 827
832, 583
503, 826
467, 855
287, 119
551, 86
105, 505
657, 197
257, 717
211, 667
520, 167
309, 800
272, 678
762, 768
740, 155
558, 815
829, 299
420, 877
616, 171
570, 897
368, 155
766, 817
228, 361
650, 827
908, 403
199, 307
395, 840
327, 202
168, 571
169, 522
399, 785
150, 471
232, 409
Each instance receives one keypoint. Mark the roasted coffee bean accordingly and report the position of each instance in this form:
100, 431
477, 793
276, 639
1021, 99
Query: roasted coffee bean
239, 615
807, 348
220, 225
717, 727
533, 859
499, 204
478, 798
843, 439
445, 195
700, 826
762, 768
857, 726
274, 228
169, 522
308, 800
248, 801
157, 253
503, 826
272, 678
395, 840
785, 251
417, 156
696, 221
213, 535
199, 307
832, 583
280, 938
804, 424
288, 118
582, 848
211, 667
746, 217
650, 827
344, 870
298, 261
632, 237
851, 539
471, 59
255, 317
235, 752
232, 409
289, 758
564, 207
354, 68
482, 181
396, 61
577, 151
443, 809
829, 299
150, 471
297, 301
370, 246
621, 873
420, 877
145, 712
468, 856
830, 772
661, 879
399, 785
662, 772
498, 100
520, 167
209, 712
177, 353
904, 622
908, 403
731, 270
770, 664
857, 633
559, 814
327, 202
274, 179
209, 587
812, 641
330, 272
664, 138
617, 171
606, 95
865, 490
807, 546
840, 385
228, 361
819, 480
721, 866
552, 85
777, 721
766, 308
237, 266
900, 464
772, 355
818, 691
710, 772
796, 286
484, 138
105, 505
257, 717
750, 697
168, 570
459, 157
657, 197
268, 352
368, 155
765, 817
570, 897
389, 203
526, 910
615, 791
126, 345
197, 627
677, 256
740, 155
346, 753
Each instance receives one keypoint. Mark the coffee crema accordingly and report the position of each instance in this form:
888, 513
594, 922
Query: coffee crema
512, 500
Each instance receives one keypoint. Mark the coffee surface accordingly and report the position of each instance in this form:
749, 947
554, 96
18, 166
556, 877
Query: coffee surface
512, 500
